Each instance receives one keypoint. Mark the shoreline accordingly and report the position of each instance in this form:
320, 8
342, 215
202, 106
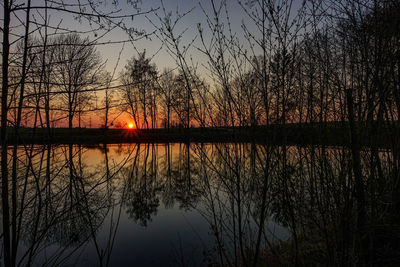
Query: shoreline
331, 134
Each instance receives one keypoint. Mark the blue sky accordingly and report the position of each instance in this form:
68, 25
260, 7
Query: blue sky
152, 45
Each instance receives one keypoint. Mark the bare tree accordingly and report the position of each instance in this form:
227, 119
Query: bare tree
78, 70
138, 90
166, 82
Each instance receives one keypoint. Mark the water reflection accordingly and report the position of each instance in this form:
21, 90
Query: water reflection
204, 204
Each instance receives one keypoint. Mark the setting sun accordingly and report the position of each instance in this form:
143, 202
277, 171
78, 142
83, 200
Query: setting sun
130, 125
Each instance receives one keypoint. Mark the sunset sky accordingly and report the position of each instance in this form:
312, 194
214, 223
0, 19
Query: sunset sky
121, 45
152, 45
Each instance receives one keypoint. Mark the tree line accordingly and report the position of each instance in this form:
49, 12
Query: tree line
315, 62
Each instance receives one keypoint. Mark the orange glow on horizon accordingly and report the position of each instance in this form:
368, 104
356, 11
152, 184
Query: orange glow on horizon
130, 125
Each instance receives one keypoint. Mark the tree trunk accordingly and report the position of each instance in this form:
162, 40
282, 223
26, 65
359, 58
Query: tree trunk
4, 167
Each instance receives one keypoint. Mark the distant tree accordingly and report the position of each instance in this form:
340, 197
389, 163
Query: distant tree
77, 72
138, 91
166, 82
108, 99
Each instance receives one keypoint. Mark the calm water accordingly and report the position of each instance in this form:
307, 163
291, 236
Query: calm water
176, 204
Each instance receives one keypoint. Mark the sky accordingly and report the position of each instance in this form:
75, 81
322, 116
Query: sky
152, 45
117, 54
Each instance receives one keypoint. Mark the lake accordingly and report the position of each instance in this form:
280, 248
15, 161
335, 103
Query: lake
195, 204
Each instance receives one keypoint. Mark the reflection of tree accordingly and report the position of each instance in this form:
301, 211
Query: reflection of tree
310, 190
186, 178
66, 208
150, 179
227, 191
141, 197
166, 171
142, 205
79, 218
239, 189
